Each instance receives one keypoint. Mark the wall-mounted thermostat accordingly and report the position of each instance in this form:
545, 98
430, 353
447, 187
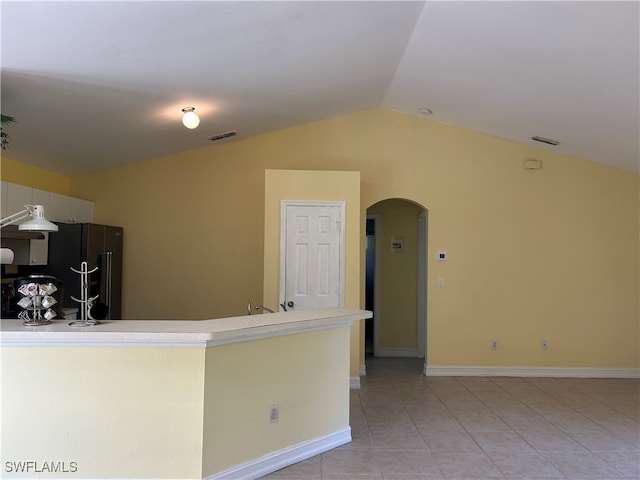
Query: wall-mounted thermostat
441, 256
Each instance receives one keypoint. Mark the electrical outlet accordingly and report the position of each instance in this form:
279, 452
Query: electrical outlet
494, 344
273, 413
544, 344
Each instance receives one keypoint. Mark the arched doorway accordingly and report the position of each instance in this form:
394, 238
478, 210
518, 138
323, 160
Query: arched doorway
395, 279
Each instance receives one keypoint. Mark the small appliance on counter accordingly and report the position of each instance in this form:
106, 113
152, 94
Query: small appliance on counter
38, 299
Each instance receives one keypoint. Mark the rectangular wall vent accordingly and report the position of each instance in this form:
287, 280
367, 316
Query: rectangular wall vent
532, 164
548, 141
222, 136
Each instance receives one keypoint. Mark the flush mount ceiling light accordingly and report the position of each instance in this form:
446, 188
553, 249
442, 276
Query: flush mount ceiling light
425, 111
190, 118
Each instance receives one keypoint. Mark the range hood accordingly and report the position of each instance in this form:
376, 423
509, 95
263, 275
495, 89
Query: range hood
12, 232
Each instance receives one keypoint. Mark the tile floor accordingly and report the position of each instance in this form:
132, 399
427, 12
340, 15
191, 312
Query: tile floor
409, 427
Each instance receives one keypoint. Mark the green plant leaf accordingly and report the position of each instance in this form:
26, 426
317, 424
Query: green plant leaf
6, 119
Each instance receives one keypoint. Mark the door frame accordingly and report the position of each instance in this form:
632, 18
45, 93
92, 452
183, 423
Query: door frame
376, 282
421, 283
284, 204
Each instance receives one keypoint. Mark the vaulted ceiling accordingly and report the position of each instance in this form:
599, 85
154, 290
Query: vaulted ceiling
98, 84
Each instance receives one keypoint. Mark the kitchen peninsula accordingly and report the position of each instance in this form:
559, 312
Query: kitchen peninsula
227, 398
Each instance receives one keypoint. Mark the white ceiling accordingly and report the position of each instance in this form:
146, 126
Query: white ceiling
98, 84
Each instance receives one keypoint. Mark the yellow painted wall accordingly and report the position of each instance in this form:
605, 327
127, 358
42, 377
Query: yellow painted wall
169, 412
193, 232
397, 274
117, 412
320, 186
34, 177
306, 375
547, 254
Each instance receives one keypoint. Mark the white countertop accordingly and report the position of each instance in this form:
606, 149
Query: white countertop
212, 332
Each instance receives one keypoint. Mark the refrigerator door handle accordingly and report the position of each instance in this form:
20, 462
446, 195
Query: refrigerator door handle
108, 256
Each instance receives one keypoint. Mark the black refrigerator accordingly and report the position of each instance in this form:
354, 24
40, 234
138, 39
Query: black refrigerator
98, 245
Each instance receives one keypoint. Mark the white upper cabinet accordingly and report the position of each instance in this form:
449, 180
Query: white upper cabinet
68, 209
17, 197
40, 197
81, 210
3, 199
57, 208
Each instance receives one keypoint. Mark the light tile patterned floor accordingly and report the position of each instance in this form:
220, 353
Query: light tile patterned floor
409, 427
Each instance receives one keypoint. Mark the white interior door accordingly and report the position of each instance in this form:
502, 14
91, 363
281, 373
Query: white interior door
312, 255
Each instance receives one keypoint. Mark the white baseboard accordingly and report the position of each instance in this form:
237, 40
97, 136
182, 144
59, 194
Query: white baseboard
283, 458
488, 371
397, 352
363, 370
354, 383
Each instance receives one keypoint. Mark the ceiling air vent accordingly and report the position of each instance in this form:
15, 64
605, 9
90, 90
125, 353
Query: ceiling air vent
548, 141
222, 136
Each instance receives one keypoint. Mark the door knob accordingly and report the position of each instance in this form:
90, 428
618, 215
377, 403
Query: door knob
290, 304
